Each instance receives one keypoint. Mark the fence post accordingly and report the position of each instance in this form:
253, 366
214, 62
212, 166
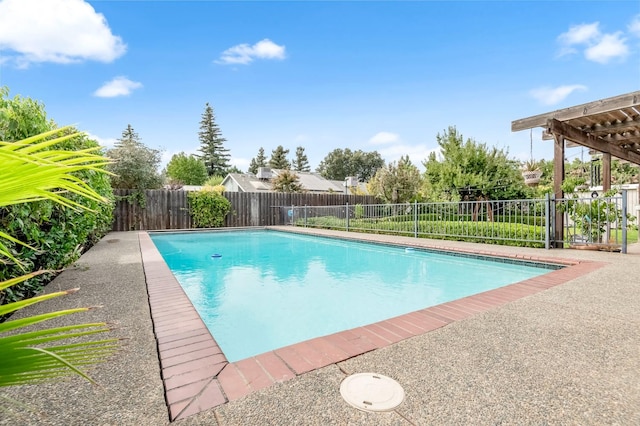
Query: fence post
305, 215
415, 219
624, 221
347, 214
547, 222
553, 207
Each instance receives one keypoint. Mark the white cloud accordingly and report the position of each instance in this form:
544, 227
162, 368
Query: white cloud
104, 142
60, 31
580, 34
245, 54
119, 86
554, 95
598, 47
610, 46
383, 138
634, 26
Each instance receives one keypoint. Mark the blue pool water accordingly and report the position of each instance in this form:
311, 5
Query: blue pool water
261, 290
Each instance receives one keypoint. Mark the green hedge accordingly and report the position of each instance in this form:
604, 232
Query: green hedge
481, 232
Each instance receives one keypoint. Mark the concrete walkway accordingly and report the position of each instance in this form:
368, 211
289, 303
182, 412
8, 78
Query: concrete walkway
568, 355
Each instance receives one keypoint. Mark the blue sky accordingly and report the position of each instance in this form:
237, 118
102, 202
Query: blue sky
385, 76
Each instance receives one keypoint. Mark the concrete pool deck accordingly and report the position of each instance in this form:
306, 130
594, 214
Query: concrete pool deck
568, 354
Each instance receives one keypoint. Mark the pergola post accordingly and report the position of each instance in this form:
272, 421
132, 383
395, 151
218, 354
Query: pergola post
606, 171
558, 178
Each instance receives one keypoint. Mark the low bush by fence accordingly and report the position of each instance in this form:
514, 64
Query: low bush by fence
169, 209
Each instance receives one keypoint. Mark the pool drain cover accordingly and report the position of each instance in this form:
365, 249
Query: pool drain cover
372, 392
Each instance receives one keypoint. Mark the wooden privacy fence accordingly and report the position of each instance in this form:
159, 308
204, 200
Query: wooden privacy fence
169, 209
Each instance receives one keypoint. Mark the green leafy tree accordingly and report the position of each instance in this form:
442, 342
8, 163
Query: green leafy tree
214, 154
301, 162
258, 161
21, 118
397, 182
188, 169
278, 158
287, 181
134, 166
339, 164
624, 172
471, 170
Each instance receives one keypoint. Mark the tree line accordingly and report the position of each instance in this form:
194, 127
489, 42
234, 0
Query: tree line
463, 169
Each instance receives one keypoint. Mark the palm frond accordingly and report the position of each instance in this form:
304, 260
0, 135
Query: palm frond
32, 170
38, 172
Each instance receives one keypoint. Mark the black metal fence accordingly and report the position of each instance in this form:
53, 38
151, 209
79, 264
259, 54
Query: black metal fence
599, 222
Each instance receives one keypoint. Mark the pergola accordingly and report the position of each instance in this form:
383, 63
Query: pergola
610, 126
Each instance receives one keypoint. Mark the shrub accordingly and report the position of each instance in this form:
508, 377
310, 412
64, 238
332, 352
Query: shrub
208, 208
57, 235
214, 180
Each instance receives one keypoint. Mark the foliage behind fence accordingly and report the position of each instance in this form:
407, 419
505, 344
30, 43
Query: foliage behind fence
169, 209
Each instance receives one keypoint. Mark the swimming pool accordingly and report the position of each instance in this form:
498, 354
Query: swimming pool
261, 290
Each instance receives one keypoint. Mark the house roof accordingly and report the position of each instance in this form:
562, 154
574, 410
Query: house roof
312, 182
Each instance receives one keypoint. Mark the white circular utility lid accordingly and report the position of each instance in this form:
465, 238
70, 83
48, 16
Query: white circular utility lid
372, 392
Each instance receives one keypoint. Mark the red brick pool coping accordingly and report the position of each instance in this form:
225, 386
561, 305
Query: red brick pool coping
198, 377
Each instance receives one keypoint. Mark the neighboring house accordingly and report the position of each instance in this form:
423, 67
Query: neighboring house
261, 182
185, 187
352, 185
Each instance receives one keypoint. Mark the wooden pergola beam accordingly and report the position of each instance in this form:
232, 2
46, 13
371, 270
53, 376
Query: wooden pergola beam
603, 105
555, 126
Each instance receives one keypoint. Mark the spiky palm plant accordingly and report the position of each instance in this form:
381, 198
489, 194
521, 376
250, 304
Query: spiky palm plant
32, 169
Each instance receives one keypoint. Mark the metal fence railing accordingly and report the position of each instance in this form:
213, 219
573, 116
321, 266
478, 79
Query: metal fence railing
598, 221
528, 222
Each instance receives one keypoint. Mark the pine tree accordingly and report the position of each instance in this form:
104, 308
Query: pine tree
214, 154
258, 161
301, 162
278, 158
129, 136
